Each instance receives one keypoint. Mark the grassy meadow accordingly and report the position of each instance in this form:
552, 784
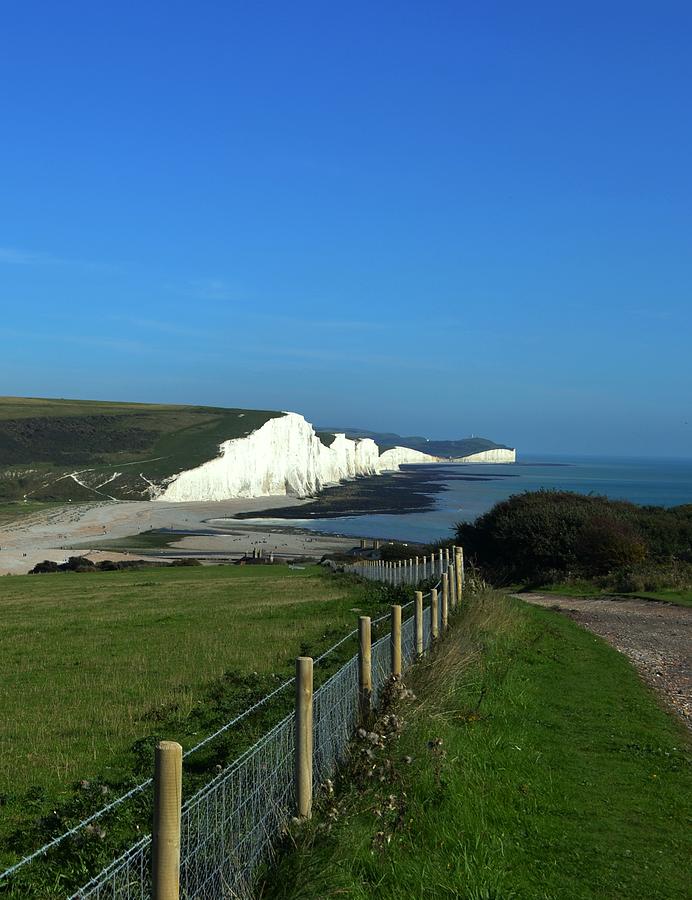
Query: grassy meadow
533, 763
90, 664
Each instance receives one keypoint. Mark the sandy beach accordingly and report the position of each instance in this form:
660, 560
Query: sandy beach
56, 533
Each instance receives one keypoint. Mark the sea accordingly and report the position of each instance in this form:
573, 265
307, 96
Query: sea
658, 482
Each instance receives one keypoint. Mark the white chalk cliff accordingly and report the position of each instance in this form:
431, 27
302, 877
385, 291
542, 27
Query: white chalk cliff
284, 456
496, 455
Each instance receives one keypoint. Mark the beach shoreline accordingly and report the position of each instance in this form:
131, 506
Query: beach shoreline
207, 530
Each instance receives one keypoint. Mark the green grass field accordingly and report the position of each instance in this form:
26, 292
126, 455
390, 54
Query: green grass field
534, 763
587, 589
91, 663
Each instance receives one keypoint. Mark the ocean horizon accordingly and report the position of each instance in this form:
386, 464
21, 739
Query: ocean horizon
662, 481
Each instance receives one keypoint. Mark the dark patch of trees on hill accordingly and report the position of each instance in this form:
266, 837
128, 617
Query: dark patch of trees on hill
550, 536
73, 440
82, 564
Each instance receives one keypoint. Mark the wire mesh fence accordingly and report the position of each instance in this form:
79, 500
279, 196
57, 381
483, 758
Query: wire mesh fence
231, 826
228, 827
408, 642
127, 878
381, 667
335, 716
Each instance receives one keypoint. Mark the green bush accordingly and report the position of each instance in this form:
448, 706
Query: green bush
547, 536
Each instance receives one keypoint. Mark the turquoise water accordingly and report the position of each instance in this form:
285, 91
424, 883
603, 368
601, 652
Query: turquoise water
664, 482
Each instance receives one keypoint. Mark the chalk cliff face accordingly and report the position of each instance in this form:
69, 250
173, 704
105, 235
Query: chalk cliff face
284, 456
499, 455
390, 460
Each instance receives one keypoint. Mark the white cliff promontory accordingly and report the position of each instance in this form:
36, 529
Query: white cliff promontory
285, 456
497, 455
390, 460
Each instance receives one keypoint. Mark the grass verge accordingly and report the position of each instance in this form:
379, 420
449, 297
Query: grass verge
587, 589
534, 764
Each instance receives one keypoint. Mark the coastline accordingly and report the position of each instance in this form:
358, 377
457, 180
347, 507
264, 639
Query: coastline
226, 530
418, 504
410, 490
86, 530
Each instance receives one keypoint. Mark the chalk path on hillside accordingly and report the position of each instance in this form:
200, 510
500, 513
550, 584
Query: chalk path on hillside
656, 637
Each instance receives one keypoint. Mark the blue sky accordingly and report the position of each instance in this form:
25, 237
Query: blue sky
434, 218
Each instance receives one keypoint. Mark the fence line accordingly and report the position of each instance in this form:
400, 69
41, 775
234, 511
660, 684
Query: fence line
230, 826
148, 782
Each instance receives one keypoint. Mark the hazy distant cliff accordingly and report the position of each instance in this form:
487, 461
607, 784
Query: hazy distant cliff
497, 455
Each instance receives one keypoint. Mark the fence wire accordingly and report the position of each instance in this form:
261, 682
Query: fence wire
230, 826
334, 719
408, 642
127, 878
380, 655
427, 621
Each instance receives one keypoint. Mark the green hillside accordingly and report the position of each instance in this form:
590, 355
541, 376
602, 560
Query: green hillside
47, 447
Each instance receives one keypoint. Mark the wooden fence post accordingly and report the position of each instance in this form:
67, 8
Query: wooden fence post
364, 667
168, 791
441, 563
419, 622
434, 629
303, 717
395, 641
445, 601
452, 586
459, 570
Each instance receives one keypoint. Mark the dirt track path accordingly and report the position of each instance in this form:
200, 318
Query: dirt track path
657, 638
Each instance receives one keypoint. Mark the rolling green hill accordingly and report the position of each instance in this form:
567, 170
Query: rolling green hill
86, 449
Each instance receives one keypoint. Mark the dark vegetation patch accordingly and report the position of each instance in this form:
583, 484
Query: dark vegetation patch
81, 564
43, 439
326, 437
74, 440
545, 537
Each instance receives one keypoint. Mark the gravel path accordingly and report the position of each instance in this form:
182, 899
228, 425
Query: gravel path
657, 638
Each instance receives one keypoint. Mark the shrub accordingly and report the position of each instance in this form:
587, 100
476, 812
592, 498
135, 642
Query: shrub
546, 536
